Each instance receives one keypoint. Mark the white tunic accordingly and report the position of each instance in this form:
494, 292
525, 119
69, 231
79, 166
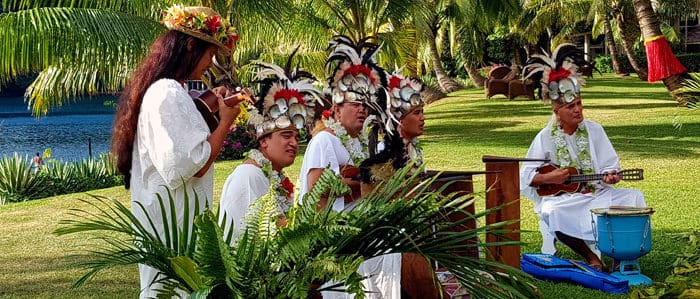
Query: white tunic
326, 150
570, 213
169, 148
242, 187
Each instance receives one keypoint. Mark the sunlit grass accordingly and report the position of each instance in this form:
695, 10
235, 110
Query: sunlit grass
637, 116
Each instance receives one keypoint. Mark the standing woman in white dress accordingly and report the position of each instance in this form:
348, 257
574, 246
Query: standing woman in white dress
285, 106
160, 140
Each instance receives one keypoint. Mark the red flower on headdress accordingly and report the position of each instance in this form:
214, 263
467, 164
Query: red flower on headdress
556, 75
326, 114
394, 82
287, 186
287, 94
357, 69
213, 22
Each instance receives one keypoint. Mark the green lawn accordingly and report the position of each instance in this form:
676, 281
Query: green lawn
638, 118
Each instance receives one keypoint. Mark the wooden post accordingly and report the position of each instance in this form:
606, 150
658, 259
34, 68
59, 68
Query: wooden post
503, 188
460, 184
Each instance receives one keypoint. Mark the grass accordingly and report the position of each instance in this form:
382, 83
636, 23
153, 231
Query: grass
637, 116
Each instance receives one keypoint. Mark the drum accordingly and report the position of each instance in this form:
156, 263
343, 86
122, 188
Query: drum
624, 233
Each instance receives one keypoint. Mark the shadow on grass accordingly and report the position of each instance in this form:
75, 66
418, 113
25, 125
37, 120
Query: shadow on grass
627, 95
643, 140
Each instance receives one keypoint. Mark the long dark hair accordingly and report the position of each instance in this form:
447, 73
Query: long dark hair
168, 57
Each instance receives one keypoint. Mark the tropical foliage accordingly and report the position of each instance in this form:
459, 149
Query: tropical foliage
684, 282
314, 247
20, 182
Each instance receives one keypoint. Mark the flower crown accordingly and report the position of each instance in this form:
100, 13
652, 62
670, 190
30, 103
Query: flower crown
559, 76
404, 95
287, 99
203, 23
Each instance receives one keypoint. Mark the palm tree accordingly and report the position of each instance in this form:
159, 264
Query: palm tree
434, 23
610, 41
314, 247
629, 33
649, 24
83, 48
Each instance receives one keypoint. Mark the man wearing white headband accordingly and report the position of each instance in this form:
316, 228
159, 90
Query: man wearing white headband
569, 140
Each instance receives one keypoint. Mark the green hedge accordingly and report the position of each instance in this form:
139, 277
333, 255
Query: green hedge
691, 62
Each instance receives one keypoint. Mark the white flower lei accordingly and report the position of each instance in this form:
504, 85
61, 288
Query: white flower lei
275, 178
357, 147
414, 151
585, 163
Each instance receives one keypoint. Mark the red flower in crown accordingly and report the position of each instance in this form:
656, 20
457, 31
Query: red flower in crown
561, 73
357, 69
326, 114
394, 82
287, 186
214, 22
287, 94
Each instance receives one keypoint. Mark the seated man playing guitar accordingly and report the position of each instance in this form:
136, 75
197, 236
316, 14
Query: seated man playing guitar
571, 141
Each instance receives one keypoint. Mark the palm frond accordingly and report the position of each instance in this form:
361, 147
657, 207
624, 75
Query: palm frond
315, 246
77, 52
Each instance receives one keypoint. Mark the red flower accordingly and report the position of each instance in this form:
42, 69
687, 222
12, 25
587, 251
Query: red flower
287, 186
394, 82
214, 23
326, 114
561, 73
287, 94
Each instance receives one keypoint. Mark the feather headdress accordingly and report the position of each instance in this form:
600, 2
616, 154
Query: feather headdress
559, 74
287, 98
354, 73
404, 95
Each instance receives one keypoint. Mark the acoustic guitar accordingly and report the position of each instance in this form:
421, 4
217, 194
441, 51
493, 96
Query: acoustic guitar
575, 181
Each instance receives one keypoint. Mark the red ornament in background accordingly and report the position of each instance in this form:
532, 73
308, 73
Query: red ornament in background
660, 59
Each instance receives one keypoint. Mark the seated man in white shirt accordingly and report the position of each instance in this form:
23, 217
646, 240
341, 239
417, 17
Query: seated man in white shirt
571, 141
284, 107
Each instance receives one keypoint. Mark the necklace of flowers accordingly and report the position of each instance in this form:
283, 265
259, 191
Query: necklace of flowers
585, 163
357, 147
414, 151
284, 187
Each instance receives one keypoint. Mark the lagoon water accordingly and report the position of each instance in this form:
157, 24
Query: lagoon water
67, 130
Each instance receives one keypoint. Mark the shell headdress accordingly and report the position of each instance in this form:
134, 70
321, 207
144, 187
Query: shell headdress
287, 99
559, 74
355, 75
404, 95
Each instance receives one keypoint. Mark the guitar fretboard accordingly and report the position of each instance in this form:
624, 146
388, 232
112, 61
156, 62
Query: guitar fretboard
627, 174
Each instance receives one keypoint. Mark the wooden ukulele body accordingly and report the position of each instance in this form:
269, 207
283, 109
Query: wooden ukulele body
556, 189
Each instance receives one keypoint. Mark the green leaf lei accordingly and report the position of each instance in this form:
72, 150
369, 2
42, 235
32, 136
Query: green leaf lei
585, 163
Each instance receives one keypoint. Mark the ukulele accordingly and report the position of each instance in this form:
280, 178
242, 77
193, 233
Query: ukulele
208, 104
574, 182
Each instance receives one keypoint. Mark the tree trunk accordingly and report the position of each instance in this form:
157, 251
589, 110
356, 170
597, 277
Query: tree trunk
629, 32
446, 83
474, 74
649, 24
612, 48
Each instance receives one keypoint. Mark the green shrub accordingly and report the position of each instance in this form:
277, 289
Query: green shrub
17, 182
691, 62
